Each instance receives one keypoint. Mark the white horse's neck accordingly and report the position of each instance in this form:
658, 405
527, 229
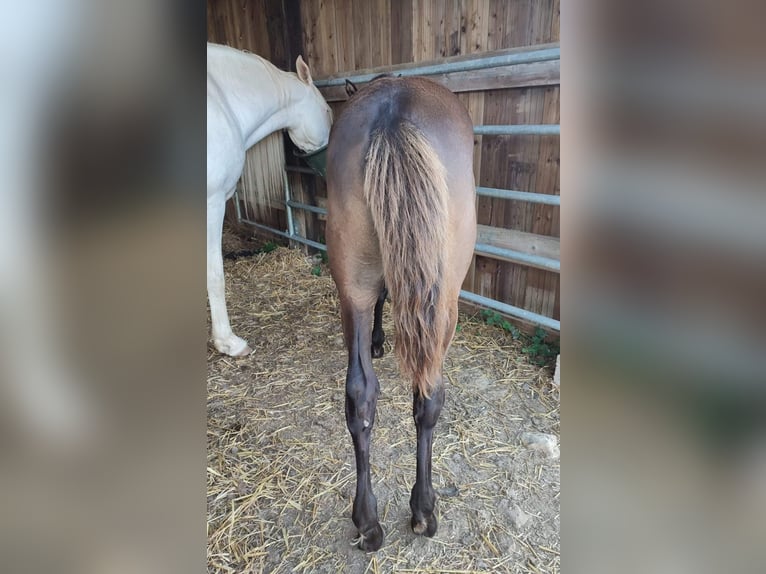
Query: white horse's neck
261, 97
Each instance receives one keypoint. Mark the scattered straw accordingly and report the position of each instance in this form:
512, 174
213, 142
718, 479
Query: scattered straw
281, 475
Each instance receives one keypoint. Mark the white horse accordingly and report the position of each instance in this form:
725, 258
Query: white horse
248, 99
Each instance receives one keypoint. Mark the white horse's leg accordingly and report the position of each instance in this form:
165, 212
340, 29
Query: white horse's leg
223, 337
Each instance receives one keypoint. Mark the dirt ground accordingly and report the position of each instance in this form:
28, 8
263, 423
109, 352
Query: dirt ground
281, 469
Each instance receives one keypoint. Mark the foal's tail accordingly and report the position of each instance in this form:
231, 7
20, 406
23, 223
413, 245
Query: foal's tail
406, 189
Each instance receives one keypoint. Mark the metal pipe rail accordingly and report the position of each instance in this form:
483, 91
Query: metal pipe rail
518, 256
307, 207
300, 169
485, 191
530, 316
479, 248
293, 236
519, 130
511, 310
527, 196
526, 57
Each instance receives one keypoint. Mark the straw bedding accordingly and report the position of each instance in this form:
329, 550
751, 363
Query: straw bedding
281, 475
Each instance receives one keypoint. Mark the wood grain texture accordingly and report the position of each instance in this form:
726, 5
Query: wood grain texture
529, 243
344, 36
362, 24
401, 32
327, 61
312, 41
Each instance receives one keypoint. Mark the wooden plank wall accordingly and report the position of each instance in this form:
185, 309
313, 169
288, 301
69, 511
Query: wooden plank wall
343, 35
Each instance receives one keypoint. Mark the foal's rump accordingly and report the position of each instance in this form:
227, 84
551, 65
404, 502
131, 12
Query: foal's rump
403, 150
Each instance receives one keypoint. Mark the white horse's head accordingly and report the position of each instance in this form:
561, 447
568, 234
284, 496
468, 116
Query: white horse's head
310, 128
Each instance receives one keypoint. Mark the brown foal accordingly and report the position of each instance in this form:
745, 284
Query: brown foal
401, 221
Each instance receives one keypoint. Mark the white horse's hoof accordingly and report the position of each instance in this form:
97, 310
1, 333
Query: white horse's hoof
244, 352
233, 346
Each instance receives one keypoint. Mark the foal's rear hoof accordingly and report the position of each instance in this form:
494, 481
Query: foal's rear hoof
377, 351
370, 541
426, 527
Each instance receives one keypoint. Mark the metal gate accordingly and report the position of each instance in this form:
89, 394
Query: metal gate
486, 130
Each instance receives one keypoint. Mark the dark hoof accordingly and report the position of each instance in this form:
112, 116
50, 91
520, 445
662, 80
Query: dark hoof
425, 526
371, 540
377, 351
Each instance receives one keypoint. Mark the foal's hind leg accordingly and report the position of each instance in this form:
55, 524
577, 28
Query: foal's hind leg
362, 391
426, 412
378, 336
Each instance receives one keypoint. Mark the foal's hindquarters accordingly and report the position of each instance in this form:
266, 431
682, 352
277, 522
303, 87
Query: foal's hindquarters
401, 217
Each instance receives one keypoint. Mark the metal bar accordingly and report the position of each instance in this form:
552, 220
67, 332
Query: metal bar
485, 191
480, 248
266, 228
236, 206
306, 207
541, 55
519, 130
519, 195
465, 295
290, 223
286, 235
314, 244
299, 169
534, 318
535, 260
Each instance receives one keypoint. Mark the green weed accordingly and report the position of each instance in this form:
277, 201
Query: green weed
536, 347
493, 318
539, 350
268, 247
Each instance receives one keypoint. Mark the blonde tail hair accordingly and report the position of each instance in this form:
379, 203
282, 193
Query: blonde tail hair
263, 176
405, 188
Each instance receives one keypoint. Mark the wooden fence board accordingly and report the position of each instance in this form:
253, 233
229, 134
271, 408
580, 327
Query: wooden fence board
529, 243
362, 25
401, 32
344, 36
